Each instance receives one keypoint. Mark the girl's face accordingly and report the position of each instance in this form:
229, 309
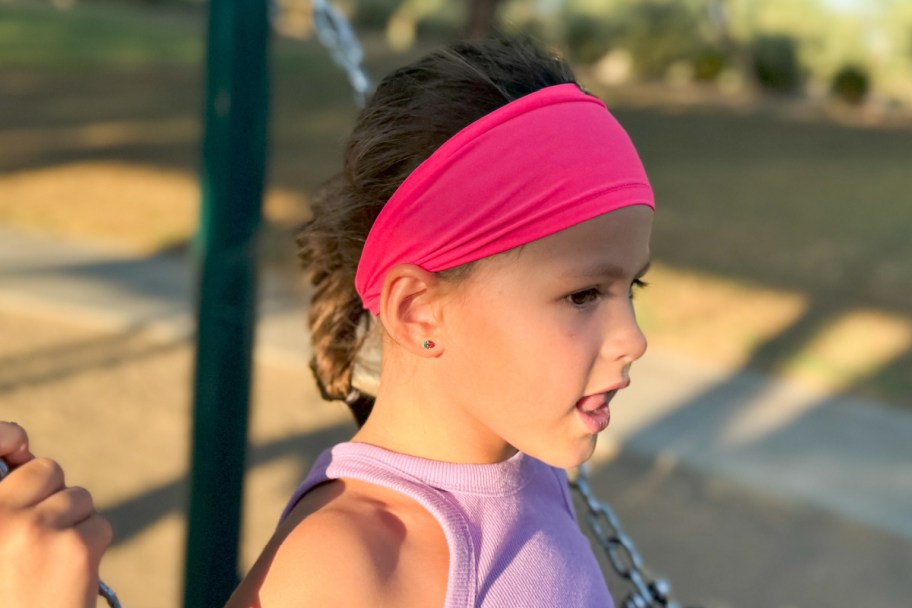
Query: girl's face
539, 340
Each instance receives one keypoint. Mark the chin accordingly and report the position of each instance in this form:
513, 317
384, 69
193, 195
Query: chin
572, 456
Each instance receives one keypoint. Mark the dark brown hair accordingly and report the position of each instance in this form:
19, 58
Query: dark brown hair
413, 111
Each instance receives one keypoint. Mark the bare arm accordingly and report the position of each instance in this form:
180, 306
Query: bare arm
330, 558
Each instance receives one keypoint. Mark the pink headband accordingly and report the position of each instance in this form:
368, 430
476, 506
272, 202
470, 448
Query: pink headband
536, 166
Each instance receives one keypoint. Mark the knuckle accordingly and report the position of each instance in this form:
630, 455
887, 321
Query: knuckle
15, 432
50, 468
20, 432
106, 532
81, 496
94, 537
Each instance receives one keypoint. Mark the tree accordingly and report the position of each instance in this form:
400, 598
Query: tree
482, 20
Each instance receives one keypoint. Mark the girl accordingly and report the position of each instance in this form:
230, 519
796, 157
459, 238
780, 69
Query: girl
491, 220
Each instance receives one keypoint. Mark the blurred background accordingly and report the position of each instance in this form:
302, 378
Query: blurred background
762, 457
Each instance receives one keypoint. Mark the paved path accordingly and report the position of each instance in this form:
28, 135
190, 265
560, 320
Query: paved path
840, 452
729, 462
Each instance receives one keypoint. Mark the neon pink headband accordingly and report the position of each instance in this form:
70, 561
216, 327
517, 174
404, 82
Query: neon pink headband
536, 166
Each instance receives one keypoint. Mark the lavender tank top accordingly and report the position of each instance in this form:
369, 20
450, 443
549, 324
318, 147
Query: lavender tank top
510, 527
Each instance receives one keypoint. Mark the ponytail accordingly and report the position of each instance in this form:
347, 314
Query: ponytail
338, 323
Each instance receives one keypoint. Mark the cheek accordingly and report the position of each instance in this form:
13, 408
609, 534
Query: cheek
495, 344
541, 351
476, 342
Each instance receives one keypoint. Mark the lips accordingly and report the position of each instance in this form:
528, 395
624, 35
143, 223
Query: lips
594, 412
594, 409
590, 403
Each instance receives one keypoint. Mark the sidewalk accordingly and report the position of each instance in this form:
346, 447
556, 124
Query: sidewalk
840, 453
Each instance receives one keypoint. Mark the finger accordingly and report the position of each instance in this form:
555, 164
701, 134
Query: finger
97, 533
14, 444
32, 483
66, 508
82, 548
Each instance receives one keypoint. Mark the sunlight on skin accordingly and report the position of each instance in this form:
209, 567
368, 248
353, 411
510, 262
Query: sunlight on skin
722, 323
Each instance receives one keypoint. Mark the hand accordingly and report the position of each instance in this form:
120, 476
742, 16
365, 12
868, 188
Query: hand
51, 539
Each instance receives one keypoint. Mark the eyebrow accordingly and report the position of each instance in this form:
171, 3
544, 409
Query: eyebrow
608, 270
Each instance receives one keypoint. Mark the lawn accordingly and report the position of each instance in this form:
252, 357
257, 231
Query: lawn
781, 241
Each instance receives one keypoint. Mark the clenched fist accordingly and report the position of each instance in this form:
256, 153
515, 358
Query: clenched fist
51, 539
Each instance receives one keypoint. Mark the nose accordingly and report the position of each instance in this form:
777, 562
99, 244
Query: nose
623, 339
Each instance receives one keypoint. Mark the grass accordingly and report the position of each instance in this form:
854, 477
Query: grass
97, 34
781, 239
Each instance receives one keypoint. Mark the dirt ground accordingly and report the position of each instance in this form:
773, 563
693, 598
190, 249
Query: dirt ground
114, 409
781, 243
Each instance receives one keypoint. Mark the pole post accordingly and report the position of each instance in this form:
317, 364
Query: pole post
232, 176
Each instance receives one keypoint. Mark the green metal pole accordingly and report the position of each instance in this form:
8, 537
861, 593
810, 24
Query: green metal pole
234, 150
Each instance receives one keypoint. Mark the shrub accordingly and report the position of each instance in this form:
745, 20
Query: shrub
373, 15
658, 34
775, 63
850, 84
587, 37
708, 63
439, 28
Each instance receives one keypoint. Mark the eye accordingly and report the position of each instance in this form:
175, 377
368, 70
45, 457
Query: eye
581, 299
637, 284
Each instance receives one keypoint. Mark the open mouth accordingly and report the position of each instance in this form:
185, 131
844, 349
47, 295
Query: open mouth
595, 411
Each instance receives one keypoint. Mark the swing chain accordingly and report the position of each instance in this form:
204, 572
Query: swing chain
334, 32
621, 552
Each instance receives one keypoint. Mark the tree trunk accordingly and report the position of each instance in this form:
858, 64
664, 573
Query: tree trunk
741, 56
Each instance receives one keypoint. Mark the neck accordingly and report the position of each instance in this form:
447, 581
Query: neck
412, 415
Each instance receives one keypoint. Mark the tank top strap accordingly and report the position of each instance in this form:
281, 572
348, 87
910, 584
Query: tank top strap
367, 463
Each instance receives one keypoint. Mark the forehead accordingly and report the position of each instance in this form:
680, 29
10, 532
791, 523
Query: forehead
613, 243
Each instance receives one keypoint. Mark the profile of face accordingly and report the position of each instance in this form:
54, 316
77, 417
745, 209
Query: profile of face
539, 339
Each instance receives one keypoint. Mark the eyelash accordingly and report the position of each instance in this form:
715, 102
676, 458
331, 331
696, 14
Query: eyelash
590, 296
594, 293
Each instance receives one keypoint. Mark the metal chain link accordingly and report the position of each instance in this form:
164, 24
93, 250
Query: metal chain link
334, 32
621, 552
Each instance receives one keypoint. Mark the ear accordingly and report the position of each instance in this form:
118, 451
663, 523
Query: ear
408, 309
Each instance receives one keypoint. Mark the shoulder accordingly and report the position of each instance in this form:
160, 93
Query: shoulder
338, 547
330, 558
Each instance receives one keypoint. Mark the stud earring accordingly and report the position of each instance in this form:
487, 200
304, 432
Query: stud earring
429, 344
